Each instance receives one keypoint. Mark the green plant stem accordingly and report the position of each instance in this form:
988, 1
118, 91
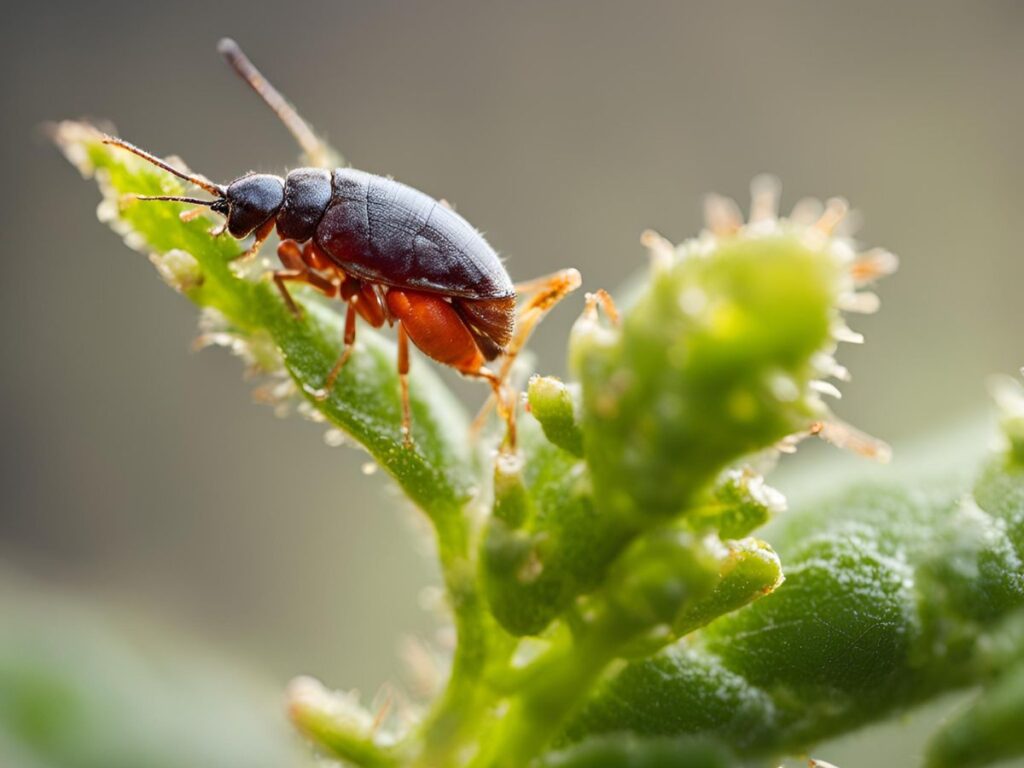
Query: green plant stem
479, 639
550, 691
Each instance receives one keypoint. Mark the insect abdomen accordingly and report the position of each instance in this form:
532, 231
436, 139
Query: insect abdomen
381, 230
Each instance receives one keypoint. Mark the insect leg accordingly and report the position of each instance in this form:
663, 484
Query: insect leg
601, 298
297, 271
314, 149
349, 340
261, 236
434, 326
505, 402
282, 276
314, 258
192, 214
403, 382
547, 292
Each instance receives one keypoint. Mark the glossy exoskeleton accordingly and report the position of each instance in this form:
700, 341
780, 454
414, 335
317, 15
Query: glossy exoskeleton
394, 254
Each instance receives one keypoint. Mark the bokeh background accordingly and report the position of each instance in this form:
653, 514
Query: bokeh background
138, 478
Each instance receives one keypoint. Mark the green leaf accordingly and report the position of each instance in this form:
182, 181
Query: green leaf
890, 598
627, 751
836, 589
747, 570
679, 692
999, 491
437, 473
1008, 394
713, 360
989, 731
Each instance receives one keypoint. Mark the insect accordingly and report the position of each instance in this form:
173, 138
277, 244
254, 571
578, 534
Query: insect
392, 253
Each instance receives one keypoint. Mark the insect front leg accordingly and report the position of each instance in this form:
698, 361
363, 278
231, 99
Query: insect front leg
297, 270
349, 342
261, 236
362, 301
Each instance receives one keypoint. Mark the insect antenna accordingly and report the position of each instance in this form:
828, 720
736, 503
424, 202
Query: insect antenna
312, 147
209, 186
175, 199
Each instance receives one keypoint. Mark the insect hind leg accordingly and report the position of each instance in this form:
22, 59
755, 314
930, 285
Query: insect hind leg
403, 383
544, 293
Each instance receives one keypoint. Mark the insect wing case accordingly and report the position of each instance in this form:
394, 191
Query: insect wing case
381, 230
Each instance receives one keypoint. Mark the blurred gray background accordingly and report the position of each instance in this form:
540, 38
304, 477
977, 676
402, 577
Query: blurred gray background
137, 473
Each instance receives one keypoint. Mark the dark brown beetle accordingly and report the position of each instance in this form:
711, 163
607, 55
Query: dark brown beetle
394, 254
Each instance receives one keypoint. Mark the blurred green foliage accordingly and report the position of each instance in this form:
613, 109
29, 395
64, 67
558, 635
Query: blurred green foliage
82, 689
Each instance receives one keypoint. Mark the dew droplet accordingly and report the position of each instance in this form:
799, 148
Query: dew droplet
135, 241
334, 438
107, 211
783, 388
315, 392
693, 301
842, 332
825, 388
863, 302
